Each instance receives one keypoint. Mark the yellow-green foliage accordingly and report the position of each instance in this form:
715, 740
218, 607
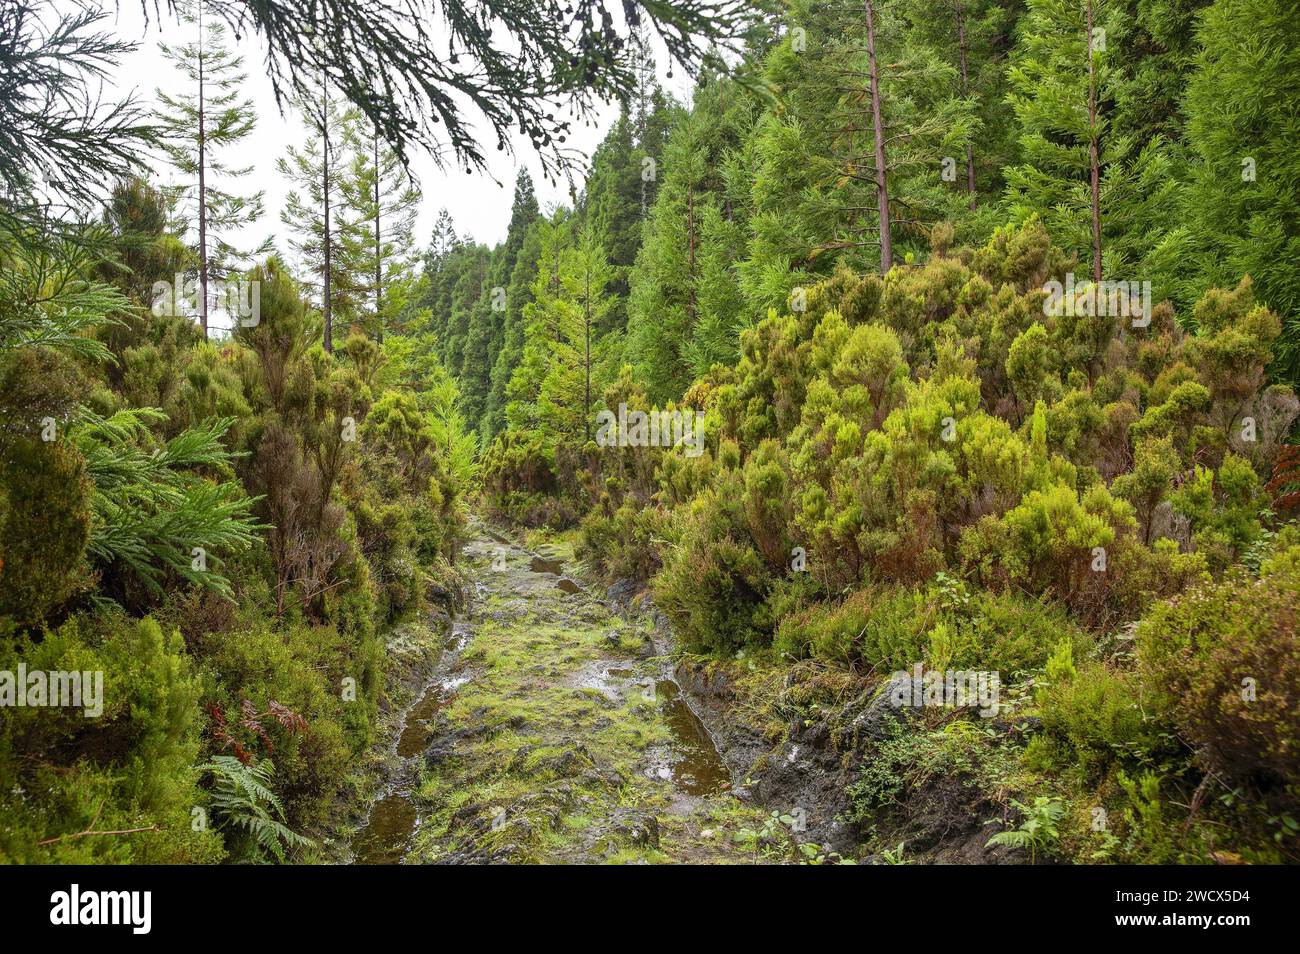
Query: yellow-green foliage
893, 628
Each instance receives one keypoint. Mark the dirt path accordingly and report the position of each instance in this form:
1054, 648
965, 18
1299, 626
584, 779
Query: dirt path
553, 732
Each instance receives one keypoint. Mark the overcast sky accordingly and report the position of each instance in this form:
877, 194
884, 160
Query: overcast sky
479, 206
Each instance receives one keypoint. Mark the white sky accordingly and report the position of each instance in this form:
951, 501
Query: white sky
478, 206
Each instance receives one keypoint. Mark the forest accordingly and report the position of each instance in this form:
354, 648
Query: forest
911, 406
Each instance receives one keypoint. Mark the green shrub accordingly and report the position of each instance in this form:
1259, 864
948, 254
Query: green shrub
130, 770
626, 545
303, 668
892, 628
714, 582
880, 627
1223, 661
44, 527
1091, 717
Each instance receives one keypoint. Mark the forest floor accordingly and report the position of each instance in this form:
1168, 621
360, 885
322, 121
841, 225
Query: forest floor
553, 731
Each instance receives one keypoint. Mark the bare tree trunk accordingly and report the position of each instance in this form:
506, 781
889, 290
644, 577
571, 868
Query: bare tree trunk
203, 190
878, 129
965, 91
1093, 158
325, 190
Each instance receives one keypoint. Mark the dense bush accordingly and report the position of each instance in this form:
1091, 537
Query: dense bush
714, 581
1223, 660
131, 769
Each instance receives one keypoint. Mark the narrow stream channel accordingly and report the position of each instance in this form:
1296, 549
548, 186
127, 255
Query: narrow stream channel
386, 835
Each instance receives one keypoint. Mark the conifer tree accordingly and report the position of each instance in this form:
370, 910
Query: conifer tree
322, 227
664, 304
209, 119
490, 318
518, 295
383, 202
433, 293
685, 282
850, 167
1102, 195
1243, 119
542, 317
1158, 50
973, 36
466, 357
571, 384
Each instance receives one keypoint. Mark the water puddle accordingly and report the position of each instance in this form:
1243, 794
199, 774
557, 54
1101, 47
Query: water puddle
415, 734
386, 835
689, 761
693, 760
388, 832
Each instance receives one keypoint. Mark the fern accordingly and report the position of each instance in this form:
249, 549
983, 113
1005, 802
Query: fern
1284, 484
151, 508
1038, 831
243, 803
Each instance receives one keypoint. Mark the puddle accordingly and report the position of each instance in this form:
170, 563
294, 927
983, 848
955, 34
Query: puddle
542, 565
696, 766
386, 835
415, 734
690, 760
611, 680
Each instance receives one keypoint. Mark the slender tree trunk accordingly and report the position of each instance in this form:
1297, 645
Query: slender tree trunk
1093, 157
965, 91
691, 304
878, 129
325, 189
203, 190
586, 308
379, 294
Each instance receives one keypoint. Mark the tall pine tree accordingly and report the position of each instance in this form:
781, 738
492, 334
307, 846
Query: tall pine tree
1102, 194
383, 201
200, 126
322, 227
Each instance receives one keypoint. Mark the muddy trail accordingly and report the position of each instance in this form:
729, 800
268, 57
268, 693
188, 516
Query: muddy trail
552, 731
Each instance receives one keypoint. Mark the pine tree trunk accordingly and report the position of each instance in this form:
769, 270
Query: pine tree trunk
1093, 157
379, 295
203, 191
586, 306
325, 183
690, 252
878, 129
965, 91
